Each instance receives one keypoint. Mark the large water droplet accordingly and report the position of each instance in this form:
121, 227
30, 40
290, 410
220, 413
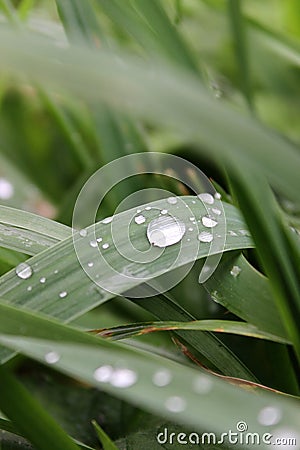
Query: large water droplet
205, 236
24, 271
206, 198
123, 378
6, 189
103, 374
105, 246
52, 357
218, 196
165, 231
208, 222
270, 415
172, 200
83, 232
202, 384
94, 244
43, 280
175, 404
140, 219
162, 377
235, 271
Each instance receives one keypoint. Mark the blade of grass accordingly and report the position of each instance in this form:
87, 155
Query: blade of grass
106, 442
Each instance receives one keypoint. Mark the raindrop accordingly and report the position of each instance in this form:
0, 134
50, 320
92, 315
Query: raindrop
218, 196
52, 357
63, 294
43, 280
140, 219
29, 288
206, 198
93, 244
205, 236
105, 246
192, 219
175, 404
202, 384
90, 264
164, 211
270, 415
107, 220
191, 229
162, 377
165, 231
123, 378
83, 232
172, 200
216, 211
55, 272
99, 239
208, 222
24, 271
6, 189
235, 271
148, 208
138, 211
103, 374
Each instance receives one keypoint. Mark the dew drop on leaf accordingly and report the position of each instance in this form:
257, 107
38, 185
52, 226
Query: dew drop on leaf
63, 294
83, 232
140, 219
235, 271
6, 189
105, 246
103, 374
123, 378
43, 280
107, 220
175, 404
165, 231
162, 377
172, 200
202, 384
208, 222
270, 415
205, 236
52, 357
24, 271
93, 244
206, 198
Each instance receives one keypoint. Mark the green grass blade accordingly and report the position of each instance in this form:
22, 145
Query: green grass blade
106, 442
37, 426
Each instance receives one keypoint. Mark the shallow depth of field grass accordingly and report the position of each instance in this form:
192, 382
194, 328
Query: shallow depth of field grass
83, 83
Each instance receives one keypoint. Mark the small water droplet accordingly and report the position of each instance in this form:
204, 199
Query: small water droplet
138, 211
192, 219
83, 232
55, 272
164, 211
165, 231
43, 280
140, 219
206, 198
205, 236
202, 384
245, 232
215, 296
218, 196
123, 378
52, 357
24, 271
93, 244
235, 271
105, 246
63, 294
6, 189
270, 415
99, 239
172, 200
175, 404
29, 288
232, 233
162, 377
216, 211
191, 229
208, 222
148, 208
103, 374
107, 220
90, 264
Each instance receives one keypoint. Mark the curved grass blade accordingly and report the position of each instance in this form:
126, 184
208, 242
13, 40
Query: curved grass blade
218, 326
106, 442
160, 98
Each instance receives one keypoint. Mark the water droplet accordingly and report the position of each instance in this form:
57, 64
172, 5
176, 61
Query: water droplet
90, 264
83, 232
43, 280
172, 200
138, 211
55, 272
218, 196
192, 219
215, 296
216, 211
191, 229
232, 233
205, 236
286, 438
63, 294
206, 198
164, 211
148, 208
107, 220
6, 189
270, 415
99, 239
103, 374
175, 404
165, 231
202, 384
245, 232
52, 357
235, 271
24, 271
29, 288
105, 246
140, 219
123, 378
162, 377
93, 244
208, 222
